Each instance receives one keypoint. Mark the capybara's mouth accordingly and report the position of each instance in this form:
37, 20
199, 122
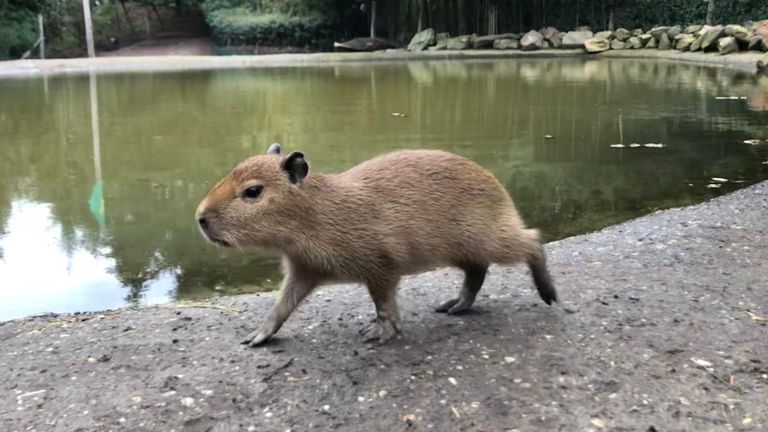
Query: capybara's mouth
219, 242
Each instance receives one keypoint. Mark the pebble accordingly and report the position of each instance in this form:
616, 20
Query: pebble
188, 402
453, 381
598, 423
382, 393
510, 359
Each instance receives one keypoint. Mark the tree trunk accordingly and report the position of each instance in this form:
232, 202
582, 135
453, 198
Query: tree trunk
88, 28
462, 19
373, 18
711, 12
127, 17
611, 24
422, 11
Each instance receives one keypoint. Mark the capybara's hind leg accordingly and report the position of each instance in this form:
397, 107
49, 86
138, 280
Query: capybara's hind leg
474, 276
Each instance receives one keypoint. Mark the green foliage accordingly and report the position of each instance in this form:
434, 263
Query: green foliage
241, 26
18, 33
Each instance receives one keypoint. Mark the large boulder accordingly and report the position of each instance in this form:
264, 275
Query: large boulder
604, 34
549, 32
664, 42
596, 45
576, 39
618, 45
637, 32
760, 28
421, 40
656, 32
644, 39
622, 34
692, 29
684, 41
705, 28
739, 32
459, 43
709, 39
652, 44
532, 41
484, 42
634, 43
756, 43
506, 44
556, 41
727, 45
674, 31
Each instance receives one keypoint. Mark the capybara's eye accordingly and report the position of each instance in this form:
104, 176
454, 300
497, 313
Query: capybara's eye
253, 192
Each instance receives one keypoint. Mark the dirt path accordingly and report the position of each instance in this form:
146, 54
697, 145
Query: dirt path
199, 46
663, 327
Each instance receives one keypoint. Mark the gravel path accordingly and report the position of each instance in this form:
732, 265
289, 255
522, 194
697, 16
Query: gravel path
663, 326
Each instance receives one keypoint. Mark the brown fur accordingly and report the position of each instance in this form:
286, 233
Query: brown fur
397, 214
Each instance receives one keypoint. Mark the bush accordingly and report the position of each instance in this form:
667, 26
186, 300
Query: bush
241, 26
18, 32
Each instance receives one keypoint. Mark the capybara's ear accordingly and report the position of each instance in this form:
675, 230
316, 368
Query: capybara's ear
296, 167
274, 149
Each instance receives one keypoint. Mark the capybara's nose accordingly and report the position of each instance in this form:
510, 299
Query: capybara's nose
203, 222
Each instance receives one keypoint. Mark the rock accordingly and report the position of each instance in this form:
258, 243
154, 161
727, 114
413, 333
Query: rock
622, 34
762, 68
644, 39
651, 43
664, 42
603, 35
696, 45
705, 28
656, 32
756, 43
549, 32
556, 41
547, 45
459, 43
684, 41
442, 36
421, 40
440, 45
634, 43
596, 45
760, 28
487, 41
531, 41
709, 39
739, 32
506, 44
637, 32
576, 39
618, 45
692, 29
727, 45
674, 31
364, 44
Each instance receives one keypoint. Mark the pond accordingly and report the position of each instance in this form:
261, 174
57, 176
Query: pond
96, 205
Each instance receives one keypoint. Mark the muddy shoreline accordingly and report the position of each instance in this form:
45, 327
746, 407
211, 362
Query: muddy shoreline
76, 66
661, 327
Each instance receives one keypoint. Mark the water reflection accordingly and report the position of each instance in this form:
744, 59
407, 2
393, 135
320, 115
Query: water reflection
74, 238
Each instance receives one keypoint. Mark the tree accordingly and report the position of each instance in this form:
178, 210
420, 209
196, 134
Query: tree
710, 12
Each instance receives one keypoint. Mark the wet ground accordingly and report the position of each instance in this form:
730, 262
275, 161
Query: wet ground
662, 327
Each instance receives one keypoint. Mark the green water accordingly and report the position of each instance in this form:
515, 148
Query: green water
97, 212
